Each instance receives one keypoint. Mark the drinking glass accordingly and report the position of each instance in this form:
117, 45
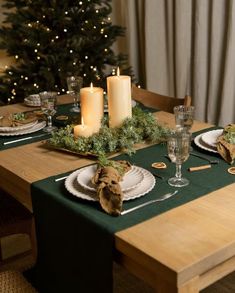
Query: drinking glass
184, 117
48, 107
74, 84
178, 144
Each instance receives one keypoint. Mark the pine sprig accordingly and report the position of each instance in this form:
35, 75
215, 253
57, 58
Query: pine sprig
141, 127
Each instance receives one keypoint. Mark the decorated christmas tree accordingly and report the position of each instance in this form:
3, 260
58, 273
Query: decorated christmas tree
53, 39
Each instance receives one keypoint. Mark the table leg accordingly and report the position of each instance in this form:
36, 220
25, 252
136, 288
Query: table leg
191, 286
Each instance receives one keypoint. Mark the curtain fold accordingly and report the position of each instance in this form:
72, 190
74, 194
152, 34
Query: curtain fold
185, 47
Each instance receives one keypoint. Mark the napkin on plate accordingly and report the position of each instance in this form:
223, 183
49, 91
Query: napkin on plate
226, 144
18, 119
108, 188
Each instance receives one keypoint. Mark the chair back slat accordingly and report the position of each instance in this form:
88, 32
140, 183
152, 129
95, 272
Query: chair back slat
160, 102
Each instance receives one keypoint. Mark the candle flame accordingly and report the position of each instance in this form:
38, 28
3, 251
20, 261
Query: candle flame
91, 87
118, 71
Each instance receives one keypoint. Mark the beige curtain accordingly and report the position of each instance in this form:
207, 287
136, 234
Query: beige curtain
184, 46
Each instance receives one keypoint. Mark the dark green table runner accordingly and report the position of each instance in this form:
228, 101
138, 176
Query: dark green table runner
75, 237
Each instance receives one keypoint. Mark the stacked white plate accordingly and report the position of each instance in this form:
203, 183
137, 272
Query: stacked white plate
208, 140
33, 101
22, 129
137, 182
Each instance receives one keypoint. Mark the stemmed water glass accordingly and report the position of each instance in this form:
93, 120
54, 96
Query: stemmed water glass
74, 84
48, 107
184, 116
178, 145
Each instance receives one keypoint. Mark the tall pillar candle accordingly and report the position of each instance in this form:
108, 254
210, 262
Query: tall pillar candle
92, 106
119, 99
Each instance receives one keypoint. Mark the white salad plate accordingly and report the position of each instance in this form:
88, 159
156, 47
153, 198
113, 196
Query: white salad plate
131, 179
38, 126
17, 128
147, 184
33, 101
201, 144
210, 137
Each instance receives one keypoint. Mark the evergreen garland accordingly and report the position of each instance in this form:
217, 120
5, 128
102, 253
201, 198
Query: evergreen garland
141, 127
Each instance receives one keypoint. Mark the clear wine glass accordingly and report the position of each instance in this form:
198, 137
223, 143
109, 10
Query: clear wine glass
184, 116
178, 145
48, 107
74, 84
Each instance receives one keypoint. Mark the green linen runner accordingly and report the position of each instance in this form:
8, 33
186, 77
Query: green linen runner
76, 237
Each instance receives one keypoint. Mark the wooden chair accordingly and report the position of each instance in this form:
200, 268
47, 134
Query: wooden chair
16, 219
14, 282
154, 100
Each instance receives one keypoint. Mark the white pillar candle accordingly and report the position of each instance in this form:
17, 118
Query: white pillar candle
92, 106
119, 99
82, 130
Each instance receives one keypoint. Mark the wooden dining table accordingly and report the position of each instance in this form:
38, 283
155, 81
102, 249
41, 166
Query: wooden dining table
193, 245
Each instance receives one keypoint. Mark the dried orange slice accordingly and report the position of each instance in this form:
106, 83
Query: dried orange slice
231, 170
159, 165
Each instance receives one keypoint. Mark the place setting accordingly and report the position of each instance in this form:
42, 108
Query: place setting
20, 123
108, 186
218, 141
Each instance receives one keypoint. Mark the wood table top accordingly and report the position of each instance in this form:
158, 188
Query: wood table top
182, 243
17, 176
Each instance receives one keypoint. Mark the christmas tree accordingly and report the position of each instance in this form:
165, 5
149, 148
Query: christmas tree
53, 39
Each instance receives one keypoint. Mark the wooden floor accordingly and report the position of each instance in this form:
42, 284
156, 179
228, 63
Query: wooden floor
124, 282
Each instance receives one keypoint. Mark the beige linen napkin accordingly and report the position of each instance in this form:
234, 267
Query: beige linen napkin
18, 119
226, 145
108, 188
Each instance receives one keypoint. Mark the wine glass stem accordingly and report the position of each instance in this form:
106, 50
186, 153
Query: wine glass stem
49, 121
75, 100
178, 173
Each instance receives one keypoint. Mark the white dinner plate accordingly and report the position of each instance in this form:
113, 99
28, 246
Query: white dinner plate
38, 126
18, 128
71, 184
210, 137
200, 143
131, 179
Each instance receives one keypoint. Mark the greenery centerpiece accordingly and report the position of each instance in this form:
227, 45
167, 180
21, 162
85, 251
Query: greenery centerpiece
141, 127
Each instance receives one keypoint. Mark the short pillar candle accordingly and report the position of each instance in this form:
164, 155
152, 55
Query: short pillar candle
119, 99
92, 106
82, 130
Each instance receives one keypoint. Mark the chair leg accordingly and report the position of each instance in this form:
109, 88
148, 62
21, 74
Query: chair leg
0, 250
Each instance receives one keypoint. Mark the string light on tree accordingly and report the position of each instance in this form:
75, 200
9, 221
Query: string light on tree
35, 27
